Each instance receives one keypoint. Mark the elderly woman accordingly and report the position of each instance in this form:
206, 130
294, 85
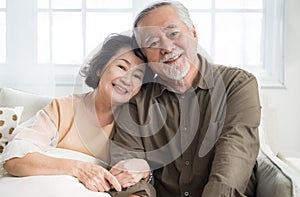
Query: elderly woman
83, 123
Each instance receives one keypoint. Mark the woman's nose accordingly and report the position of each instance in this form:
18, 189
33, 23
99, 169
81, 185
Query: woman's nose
126, 80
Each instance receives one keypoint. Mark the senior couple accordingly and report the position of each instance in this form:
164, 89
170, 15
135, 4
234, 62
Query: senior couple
189, 130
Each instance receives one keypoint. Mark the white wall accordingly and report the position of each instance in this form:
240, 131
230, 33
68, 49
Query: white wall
281, 107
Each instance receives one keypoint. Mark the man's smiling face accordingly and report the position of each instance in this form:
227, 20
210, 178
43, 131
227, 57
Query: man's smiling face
169, 45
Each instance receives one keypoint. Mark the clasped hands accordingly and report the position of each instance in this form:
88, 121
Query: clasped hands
122, 175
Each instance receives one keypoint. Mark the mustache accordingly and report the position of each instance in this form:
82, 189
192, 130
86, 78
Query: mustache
173, 55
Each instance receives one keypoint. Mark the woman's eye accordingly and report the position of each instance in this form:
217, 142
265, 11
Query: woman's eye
137, 76
122, 67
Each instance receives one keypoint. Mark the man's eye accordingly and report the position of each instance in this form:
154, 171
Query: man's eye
153, 44
173, 34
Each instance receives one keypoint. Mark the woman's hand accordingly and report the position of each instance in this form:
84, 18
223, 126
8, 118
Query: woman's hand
129, 172
95, 177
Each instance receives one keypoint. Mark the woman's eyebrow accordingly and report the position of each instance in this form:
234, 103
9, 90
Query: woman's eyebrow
128, 63
125, 60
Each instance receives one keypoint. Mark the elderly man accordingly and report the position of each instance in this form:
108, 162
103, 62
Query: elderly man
196, 123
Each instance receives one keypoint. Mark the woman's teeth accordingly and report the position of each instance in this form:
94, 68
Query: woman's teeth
120, 88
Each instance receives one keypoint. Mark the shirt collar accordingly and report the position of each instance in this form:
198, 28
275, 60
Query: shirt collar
205, 80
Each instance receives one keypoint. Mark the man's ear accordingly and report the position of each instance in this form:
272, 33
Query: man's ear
194, 33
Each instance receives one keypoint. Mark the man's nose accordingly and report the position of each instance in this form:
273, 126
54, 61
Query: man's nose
167, 46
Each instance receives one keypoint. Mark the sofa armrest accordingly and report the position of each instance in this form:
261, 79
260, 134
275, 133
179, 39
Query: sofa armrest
32, 103
274, 177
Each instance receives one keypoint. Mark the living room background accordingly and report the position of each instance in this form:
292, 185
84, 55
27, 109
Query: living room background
43, 43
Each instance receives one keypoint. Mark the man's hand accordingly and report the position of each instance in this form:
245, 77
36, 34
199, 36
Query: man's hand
129, 172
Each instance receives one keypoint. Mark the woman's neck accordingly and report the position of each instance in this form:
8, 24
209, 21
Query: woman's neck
103, 110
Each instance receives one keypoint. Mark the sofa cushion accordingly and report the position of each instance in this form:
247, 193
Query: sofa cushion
31, 102
273, 177
9, 119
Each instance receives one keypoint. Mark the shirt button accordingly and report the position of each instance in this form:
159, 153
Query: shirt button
187, 162
182, 97
184, 129
186, 194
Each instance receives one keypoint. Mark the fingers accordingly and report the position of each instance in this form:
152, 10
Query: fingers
96, 183
132, 166
105, 181
127, 182
97, 178
102, 184
113, 180
115, 171
91, 186
122, 177
127, 179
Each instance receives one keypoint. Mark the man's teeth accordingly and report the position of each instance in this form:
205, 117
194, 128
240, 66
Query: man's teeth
121, 89
173, 58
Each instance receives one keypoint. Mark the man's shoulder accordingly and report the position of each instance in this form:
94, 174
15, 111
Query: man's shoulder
231, 74
230, 70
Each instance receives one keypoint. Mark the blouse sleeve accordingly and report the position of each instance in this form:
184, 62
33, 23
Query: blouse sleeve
35, 135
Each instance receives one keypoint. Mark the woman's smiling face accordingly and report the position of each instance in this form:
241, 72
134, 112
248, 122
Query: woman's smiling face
122, 78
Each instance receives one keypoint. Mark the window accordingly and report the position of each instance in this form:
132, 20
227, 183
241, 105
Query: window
2, 31
69, 30
243, 33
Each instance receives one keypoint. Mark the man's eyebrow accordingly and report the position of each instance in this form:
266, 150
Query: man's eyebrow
171, 26
149, 37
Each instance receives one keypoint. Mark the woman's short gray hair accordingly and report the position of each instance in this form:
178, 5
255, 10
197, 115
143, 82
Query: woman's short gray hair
180, 8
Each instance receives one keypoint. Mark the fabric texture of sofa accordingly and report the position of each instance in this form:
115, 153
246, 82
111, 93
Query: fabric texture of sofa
275, 178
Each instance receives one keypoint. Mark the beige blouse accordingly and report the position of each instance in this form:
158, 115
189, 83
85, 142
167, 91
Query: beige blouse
67, 123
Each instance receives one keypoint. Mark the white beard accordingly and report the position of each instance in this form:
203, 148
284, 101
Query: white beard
175, 71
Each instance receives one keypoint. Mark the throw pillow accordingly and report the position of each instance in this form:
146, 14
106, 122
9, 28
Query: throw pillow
9, 119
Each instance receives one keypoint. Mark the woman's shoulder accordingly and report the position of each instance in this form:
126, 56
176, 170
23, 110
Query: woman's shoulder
64, 104
69, 99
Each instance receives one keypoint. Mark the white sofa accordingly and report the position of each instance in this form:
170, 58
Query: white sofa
275, 178
36, 186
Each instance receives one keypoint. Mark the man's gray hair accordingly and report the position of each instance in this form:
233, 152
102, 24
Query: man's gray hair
182, 11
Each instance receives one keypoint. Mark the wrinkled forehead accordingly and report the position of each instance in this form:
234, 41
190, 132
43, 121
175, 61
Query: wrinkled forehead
146, 33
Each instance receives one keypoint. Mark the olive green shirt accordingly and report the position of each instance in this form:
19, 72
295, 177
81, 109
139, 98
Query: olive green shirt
203, 142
